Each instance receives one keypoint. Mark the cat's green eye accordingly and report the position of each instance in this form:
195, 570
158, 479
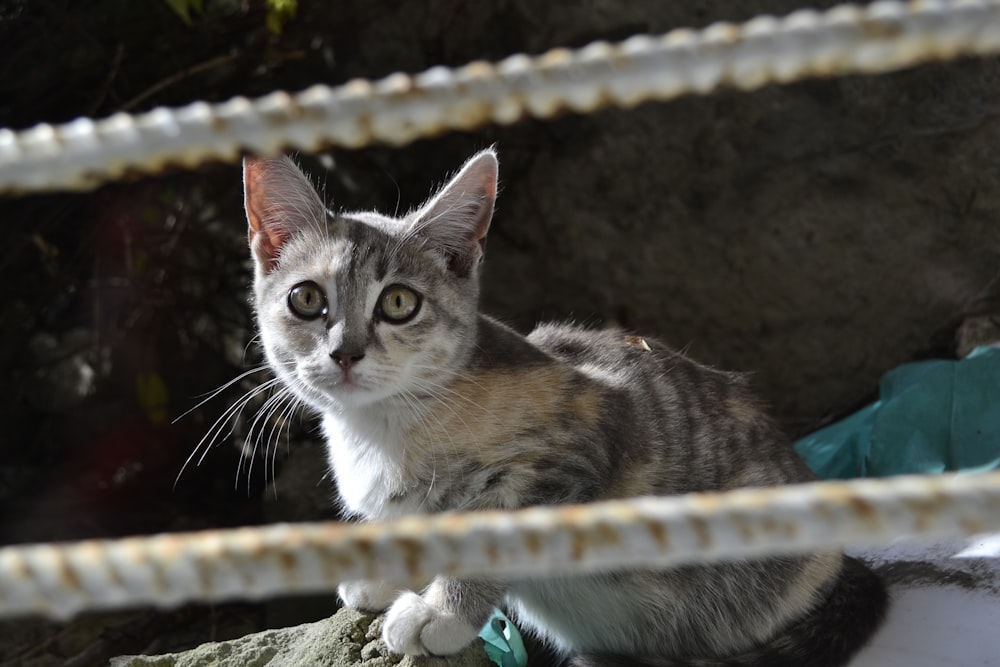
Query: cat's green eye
398, 304
307, 300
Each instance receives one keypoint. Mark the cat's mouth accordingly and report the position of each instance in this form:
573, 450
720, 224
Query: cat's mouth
335, 387
348, 380
334, 383
353, 385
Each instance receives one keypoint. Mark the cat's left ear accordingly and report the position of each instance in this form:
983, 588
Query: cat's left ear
457, 218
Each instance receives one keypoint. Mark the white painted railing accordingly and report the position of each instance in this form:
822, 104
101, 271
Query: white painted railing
60, 580
165, 570
880, 37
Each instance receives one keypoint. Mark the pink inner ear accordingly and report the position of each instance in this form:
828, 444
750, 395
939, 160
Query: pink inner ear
488, 183
457, 218
266, 234
481, 216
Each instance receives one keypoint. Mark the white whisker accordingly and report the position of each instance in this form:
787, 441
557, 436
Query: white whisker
433, 388
283, 419
230, 415
263, 414
216, 392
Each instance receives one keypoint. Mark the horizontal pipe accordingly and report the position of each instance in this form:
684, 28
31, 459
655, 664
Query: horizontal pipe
880, 37
59, 580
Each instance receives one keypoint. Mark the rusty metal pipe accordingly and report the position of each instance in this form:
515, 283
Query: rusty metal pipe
880, 37
60, 580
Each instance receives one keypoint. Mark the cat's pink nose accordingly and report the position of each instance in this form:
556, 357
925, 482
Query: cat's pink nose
346, 359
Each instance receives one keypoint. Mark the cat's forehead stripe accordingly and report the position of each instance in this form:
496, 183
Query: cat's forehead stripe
364, 239
372, 246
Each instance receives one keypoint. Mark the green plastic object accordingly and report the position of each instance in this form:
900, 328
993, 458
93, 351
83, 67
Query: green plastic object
502, 642
931, 417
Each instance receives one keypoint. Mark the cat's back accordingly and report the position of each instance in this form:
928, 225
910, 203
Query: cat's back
622, 356
706, 421
647, 367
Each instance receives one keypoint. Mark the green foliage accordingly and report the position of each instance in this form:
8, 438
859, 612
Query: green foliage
280, 12
183, 8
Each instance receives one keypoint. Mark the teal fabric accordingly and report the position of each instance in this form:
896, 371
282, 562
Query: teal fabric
931, 417
502, 642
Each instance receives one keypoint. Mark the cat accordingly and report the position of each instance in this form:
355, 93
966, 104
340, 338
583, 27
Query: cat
429, 406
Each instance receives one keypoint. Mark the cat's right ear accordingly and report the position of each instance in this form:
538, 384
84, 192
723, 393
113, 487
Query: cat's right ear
457, 218
279, 201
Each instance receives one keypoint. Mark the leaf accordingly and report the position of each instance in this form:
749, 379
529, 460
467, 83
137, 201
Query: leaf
183, 8
153, 396
279, 12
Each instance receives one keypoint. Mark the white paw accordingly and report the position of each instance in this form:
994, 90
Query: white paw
367, 595
414, 627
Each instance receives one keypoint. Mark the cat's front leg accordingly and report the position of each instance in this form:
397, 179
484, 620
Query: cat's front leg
367, 595
443, 620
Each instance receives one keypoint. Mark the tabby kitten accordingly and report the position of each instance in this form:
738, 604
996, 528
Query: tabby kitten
428, 405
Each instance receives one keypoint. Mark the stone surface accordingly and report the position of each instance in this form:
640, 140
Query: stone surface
348, 638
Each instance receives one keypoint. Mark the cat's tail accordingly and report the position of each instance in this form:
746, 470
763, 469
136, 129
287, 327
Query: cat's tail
826, 637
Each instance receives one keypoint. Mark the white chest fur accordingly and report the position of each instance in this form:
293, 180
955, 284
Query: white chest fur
367, 457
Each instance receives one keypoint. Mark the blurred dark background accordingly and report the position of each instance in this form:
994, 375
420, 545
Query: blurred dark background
815, 235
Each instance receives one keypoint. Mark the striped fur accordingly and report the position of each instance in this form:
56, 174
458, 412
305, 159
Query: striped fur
451, 410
